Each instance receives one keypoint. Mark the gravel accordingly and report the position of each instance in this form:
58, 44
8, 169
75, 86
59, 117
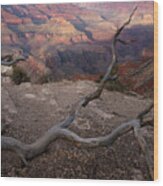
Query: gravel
39, 107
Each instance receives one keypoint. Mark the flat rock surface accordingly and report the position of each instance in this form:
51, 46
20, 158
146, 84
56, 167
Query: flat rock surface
39, 107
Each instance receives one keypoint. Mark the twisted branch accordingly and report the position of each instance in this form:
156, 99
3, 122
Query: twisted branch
144, 147
107, 76
10, 60
29, 151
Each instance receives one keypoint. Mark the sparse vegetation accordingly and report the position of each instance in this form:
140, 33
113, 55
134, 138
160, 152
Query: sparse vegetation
19, 75
115, 86
44, 78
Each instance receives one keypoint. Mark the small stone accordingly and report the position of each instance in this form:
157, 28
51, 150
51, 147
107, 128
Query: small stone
30, 96
43, 99
6, 80
26, 85
45, 91
53, 102
12, 111
6, 70
137, 174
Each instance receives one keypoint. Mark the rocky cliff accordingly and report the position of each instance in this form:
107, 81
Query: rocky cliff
74, 39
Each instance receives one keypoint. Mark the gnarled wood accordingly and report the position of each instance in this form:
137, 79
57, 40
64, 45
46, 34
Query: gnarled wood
10, 60
29, 151
144, 147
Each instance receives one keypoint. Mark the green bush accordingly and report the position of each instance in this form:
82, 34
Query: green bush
19, 75
44, 78
115, 86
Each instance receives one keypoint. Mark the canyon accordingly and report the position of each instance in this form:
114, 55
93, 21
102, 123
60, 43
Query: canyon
72, 41
56, 79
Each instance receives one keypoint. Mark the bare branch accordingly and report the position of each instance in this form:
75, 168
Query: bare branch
8, 57
126, 23
26, 151
144, 147
107, 140
29, 151
9, 60
96, 94
144, 112
99, 90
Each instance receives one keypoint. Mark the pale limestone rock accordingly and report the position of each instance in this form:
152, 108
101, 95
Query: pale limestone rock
6, 71
30, 96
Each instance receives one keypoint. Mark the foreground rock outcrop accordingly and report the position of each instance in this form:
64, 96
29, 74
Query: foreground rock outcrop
38, 107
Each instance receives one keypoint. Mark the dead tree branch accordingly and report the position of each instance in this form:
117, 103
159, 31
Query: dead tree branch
26, 151
10, 60
144, 112
29, 151
144, 147
106, 77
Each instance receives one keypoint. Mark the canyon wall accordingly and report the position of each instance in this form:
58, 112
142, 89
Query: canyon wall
73, 40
